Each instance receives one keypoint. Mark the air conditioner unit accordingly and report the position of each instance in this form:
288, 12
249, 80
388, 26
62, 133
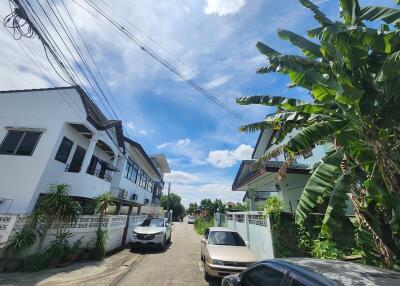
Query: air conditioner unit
123, 194
134, 197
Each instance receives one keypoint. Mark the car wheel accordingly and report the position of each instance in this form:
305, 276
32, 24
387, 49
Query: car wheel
164, 244
170, 237
206, 275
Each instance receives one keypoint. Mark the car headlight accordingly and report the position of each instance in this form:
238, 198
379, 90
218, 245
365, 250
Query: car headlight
134, 232
215, 261
158, 233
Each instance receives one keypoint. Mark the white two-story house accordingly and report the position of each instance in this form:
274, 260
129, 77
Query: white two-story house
59, 136
259, 184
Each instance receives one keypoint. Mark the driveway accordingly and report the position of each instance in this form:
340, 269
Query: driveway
178, 265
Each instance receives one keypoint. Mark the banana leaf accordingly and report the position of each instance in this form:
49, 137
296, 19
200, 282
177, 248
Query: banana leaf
320, 184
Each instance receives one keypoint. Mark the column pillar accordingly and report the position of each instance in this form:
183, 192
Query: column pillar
138, 210
88, 154
252, 201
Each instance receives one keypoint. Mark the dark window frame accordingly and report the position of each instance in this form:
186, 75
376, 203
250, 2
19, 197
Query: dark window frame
17, 146
283, 272
68, 153
131, 171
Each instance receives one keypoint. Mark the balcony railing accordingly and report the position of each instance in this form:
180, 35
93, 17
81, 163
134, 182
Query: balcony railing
97, 172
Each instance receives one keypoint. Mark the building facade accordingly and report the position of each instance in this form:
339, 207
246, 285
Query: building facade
59, 136
260, 184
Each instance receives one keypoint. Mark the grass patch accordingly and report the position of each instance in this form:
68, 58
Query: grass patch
201, 224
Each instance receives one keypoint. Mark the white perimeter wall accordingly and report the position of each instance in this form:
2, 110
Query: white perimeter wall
254, 228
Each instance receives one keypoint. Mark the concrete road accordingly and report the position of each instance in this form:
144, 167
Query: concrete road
179, 265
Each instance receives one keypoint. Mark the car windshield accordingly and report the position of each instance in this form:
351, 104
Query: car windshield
157, 222
225, 238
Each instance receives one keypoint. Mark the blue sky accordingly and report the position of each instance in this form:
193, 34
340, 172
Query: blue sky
211, 42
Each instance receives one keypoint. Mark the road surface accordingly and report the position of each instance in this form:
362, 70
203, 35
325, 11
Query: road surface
178, 265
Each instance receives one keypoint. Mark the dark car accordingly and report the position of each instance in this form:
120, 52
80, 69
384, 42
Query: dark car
312, 272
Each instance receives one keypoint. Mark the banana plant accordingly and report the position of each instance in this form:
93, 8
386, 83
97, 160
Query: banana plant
351, 71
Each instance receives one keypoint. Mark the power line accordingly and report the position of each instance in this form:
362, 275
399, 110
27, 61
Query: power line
49, 44
94, 63
157, 57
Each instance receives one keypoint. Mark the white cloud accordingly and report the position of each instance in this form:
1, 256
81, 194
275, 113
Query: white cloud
217, 82
180, 143
223, 7
143, 132
130, 125
228, 158
183, 142
181, 177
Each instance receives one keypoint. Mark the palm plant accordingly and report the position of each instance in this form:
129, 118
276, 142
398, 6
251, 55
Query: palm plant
102, 203
55, 208
21, 240
351, 72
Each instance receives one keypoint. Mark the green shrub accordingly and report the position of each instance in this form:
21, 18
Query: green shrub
101, 243
21, 240
36, 262
201, 224
59, 247
326, 249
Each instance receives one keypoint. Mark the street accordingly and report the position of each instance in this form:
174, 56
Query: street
178, 265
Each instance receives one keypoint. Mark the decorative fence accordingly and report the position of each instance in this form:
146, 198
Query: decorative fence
255, 228
83, 229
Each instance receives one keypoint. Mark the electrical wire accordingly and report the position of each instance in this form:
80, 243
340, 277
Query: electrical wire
94, 63
158, 58
57, 53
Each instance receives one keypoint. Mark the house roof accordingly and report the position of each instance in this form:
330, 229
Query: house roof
141, 150
94, 115
162, 162
269, 166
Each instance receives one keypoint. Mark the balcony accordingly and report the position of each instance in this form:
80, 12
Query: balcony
99, 173
86, 185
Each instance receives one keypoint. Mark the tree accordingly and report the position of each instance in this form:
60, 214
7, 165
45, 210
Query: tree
351, 71
178, 210
240, 207
192, 207
54, 208
102, 203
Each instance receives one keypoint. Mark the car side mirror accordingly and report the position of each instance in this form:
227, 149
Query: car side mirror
203, 240
247, 243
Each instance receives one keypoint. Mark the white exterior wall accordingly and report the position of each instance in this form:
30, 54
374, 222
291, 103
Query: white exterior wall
23, 178
120, 182
255, 228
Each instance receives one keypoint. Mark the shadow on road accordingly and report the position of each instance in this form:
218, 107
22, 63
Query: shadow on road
144, 249
214, 281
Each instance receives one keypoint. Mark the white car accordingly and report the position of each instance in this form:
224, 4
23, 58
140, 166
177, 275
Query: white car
190, 219
152, 231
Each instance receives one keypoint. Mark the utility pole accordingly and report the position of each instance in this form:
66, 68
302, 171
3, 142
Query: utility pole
169, 189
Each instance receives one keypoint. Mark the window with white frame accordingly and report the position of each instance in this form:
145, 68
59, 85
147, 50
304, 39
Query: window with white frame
20, 142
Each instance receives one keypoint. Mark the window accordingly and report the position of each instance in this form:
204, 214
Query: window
64, 150
262, 276
20, 142
297, 283
131, 171
226, 238
153, 222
